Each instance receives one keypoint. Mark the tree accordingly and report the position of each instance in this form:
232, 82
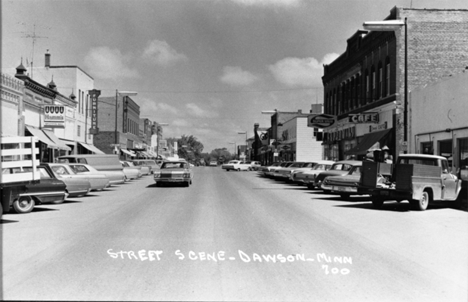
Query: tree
188, 147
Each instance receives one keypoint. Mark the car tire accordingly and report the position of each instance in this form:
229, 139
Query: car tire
187, 184
310, 186
327, 191
377, 202
238, 169
422, 203
24, 204
345, 196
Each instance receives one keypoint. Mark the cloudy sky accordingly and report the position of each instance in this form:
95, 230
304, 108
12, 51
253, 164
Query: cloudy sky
206, 67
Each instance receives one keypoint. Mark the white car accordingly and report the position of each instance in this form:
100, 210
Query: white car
237, 165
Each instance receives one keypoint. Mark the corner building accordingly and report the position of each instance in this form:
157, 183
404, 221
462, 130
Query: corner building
365, 87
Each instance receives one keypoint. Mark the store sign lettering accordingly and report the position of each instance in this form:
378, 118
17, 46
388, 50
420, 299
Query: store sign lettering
94, 95
364, 118
348, 133
320, 120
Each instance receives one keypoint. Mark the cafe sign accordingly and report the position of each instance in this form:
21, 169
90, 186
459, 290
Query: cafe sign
54, 116
364, 118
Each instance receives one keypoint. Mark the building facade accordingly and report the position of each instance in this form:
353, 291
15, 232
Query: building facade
365, 87
12, 120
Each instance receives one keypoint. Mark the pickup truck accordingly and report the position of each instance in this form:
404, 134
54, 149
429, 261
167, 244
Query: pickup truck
421, 179
19, 168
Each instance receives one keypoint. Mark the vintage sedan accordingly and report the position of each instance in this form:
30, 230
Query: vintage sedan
339, 168
98, 180
264, 170
48, 190
344, 185
76, 186
285, 173
114, 177
174, 172
274, 170
237, 165
131, 171
307, 177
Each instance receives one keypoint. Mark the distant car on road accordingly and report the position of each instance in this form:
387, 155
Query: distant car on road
213, 163
174, 172
255, 165
237, 165
148, 166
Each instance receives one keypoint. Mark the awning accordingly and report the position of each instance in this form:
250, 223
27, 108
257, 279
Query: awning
60, 145
367, 142
92, 148
42, 137
128, 152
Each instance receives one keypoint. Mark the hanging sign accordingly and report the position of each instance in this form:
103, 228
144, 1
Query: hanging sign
54, 116
320, 120
94, 95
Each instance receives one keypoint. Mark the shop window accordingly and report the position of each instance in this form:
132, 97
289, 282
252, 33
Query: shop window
445, 150
426, 148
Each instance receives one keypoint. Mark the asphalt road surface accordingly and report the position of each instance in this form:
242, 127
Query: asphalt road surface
233, 236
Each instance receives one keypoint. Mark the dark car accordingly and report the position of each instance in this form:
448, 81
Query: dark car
48, 190
339, 168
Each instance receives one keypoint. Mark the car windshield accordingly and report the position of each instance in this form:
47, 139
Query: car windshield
169, 165
60, 170
418, 161
341, 167
308, 165
356, 171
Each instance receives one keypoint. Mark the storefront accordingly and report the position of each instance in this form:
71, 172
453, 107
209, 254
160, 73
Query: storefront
50, 147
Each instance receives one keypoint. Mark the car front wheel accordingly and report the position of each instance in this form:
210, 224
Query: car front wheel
422, 203
24, 204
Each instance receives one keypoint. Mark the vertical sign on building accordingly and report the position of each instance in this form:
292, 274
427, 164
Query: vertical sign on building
94, 95
125, 115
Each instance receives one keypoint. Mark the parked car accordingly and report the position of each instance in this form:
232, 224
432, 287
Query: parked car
48, 190
266, 169
107, 163
97, 180
285, 173
307, 177
131, 171
148, 166
345, 185
337, 169
213, 163
274, 170
174, 172
85, 169
255, 165
76, 186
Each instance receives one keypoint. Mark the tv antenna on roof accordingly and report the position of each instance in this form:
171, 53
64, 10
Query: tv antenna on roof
34, 37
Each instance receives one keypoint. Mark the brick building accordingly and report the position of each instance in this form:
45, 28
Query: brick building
365, 86
121, 132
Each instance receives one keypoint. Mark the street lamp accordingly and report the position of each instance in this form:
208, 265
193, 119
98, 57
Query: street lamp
235, 147
393, 25
123, 94
244, 132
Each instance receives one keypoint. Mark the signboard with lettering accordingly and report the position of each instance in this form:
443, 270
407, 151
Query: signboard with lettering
320, 120
54, 116
364, 118
94, 95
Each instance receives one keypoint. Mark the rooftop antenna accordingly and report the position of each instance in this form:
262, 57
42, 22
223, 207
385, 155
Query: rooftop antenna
34, 37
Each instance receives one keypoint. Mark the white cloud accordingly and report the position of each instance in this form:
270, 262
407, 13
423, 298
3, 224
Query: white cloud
195, 110
106, 63
235, 76
180, 123
161, 53
284, 3
149, 107
300, 72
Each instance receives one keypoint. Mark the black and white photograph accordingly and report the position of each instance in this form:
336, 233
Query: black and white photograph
234, 150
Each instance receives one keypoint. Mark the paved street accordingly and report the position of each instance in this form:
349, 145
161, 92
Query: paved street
233, 236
